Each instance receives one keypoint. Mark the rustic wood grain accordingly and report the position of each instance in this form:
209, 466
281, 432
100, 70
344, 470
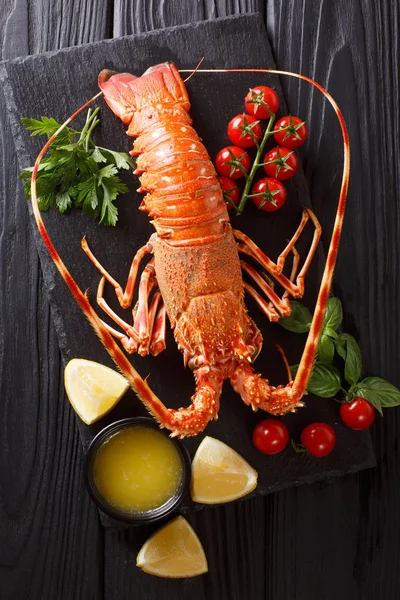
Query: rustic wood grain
353, 49
51, 540
142, 15
332, 540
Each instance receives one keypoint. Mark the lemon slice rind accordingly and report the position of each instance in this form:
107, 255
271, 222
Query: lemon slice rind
92, 388
220, 474
174, 552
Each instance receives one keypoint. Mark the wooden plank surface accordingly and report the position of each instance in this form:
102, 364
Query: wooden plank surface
51, 543
331, 540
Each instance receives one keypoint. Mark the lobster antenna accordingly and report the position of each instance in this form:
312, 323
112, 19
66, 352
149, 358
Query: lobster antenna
138, 384
307, 360
192, 72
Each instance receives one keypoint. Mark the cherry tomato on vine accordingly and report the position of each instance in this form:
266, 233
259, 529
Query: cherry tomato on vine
272, 194
319, 439
227, 160
270, 436
286, 163
231, 190
294, 136
244, 131
358, 414
259, 100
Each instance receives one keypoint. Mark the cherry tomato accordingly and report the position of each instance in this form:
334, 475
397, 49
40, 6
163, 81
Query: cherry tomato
259, 100
244, 130
318, 438
224, 159
294, 136
270, 436
272, 194
358, 414
231, 190
286, 163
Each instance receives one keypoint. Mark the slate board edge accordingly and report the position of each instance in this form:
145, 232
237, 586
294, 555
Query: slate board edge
255, 17
193, 507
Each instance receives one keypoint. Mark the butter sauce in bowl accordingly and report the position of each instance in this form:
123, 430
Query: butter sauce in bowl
135, 472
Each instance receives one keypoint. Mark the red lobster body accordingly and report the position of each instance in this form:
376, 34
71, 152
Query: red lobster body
196, 260
195, 254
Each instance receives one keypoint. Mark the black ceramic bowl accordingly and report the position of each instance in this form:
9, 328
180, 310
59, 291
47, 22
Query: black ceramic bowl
143, 517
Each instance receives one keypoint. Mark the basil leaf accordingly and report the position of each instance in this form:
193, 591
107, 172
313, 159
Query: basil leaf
334, 314
349, 350
370, 395
299, 321
326, 349
379, 392
341, 349
330, 332
325, 381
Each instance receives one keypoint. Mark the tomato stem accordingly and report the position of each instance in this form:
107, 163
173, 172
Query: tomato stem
256, 164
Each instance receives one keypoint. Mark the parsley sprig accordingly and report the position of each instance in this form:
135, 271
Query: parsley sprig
76, 172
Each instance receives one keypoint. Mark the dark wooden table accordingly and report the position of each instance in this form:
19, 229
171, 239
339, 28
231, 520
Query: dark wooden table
338, 539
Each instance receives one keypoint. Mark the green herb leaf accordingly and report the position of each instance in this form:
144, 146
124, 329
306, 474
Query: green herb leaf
71, 175
105, 172
326, 349
98, 156
325, 380
121, 159
63, 201
44, 126
328, 331
87, 194
111, 187
379, 392
333, 314
299, 320
349, 350
368, 394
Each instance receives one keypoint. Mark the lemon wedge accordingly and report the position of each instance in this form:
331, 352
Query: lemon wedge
220, 474
93, 389
173, 551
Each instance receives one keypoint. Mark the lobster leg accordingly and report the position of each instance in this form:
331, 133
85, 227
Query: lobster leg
268, 310
295, 289
281, 305
145, 316
157, 341
124, 296
304, 218
295, 268
204, 405
147, 334
268, 287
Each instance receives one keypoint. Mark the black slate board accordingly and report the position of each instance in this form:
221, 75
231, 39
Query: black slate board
56, 84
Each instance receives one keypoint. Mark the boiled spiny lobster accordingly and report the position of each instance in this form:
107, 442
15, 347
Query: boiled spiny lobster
195, 267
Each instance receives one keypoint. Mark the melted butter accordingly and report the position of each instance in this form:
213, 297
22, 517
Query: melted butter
137, 469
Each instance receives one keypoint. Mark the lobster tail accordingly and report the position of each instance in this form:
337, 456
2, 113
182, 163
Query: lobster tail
127, 94
117, 90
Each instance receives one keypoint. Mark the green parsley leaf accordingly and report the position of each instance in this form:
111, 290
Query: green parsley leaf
71, 174
121, 159
45, 126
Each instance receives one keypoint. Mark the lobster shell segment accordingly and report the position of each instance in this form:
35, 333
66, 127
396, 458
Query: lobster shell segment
183, 193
